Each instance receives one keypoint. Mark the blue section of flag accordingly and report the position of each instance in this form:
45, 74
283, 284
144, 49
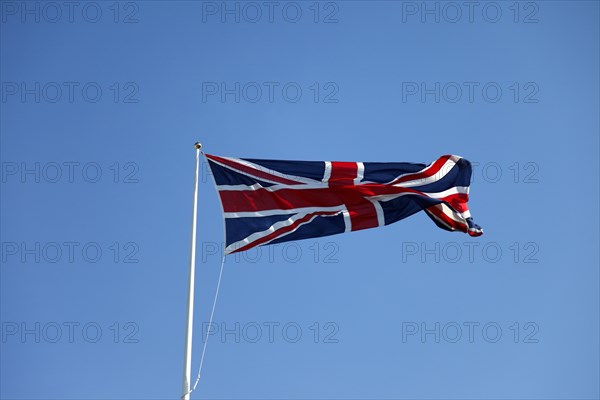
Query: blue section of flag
227, 176
321, 226
237, 229
305, 169
382, 172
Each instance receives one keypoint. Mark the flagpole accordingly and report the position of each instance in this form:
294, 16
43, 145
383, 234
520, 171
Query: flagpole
187, 358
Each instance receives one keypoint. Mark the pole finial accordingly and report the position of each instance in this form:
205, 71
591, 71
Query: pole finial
198, 145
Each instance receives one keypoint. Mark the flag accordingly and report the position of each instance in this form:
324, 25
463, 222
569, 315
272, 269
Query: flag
274, 201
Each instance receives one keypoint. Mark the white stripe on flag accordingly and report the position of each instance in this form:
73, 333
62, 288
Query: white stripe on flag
448, 165
327, 173
347, 220
276, 226
379, 211
360, 173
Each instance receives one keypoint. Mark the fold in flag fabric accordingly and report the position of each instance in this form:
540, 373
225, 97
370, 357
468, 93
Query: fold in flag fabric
274, 201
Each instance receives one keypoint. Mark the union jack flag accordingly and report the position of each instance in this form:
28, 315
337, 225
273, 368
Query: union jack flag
274, 201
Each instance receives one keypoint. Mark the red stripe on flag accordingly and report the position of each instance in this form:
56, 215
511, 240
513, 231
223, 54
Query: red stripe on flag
434, 169
285, 199
363, 216
458, 201
343, 173
451, 222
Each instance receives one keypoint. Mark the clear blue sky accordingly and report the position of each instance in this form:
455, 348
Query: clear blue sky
405, 311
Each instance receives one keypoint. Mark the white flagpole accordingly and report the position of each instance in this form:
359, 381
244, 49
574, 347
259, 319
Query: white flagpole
187, 358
